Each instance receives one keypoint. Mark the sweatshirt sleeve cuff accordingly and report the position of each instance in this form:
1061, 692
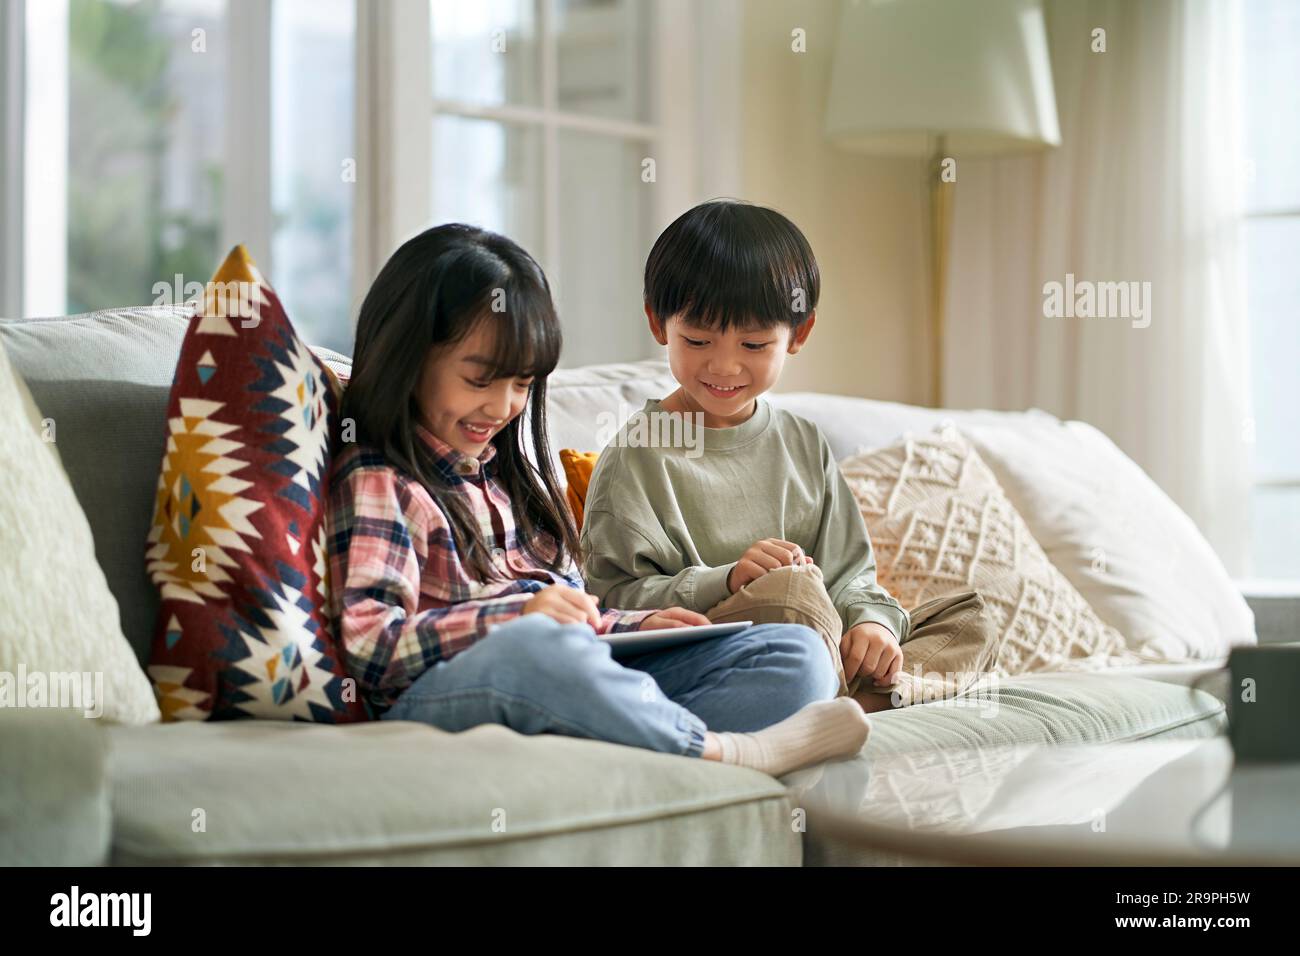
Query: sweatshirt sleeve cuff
615, 622
888, 616
710, 586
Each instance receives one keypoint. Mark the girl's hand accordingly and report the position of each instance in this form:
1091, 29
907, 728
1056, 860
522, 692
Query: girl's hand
565, 605
672, 617
872, 650
763, 556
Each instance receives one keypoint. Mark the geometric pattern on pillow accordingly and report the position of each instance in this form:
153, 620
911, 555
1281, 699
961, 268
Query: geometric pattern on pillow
940, 522
237, 544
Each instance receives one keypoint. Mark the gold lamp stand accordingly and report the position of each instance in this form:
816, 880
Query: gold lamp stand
941, 199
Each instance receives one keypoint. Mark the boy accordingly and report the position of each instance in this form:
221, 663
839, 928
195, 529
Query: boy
762, 516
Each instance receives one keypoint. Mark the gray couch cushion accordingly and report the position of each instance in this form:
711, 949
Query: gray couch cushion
54, 802
1033, 709
1063, 708
404, 793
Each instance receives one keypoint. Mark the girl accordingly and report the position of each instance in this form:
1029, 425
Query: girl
451, 549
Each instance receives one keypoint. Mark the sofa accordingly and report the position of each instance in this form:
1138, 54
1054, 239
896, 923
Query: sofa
83, 792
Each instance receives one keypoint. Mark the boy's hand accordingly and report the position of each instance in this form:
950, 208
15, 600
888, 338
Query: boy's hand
872, 650
672, 617
763, 556
565, 605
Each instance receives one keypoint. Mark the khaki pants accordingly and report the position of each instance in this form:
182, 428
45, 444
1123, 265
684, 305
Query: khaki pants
951, 644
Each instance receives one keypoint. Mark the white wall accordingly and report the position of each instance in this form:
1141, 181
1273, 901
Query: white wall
864, 216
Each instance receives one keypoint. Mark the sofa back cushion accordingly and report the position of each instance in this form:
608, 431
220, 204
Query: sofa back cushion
103, 378
59, 626
1136, 557
940, 523
586, 406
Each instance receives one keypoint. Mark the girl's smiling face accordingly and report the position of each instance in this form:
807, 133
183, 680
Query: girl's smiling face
456, 400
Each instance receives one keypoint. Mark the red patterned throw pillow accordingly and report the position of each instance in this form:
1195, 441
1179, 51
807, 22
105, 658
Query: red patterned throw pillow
237, 546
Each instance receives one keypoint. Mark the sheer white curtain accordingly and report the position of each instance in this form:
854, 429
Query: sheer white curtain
1146, 187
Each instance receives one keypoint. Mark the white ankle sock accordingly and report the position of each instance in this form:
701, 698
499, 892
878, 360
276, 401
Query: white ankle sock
820, 731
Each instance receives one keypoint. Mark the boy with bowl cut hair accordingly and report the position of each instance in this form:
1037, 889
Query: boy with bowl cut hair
761, 525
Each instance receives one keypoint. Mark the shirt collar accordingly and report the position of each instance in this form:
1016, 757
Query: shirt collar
452, 463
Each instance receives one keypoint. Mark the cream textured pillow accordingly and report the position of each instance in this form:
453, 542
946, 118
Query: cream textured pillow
939, 522
58, 620
1136, 557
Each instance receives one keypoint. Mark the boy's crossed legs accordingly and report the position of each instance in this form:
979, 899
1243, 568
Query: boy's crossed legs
949, 645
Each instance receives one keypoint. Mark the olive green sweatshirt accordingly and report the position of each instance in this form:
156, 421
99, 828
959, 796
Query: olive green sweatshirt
664, 526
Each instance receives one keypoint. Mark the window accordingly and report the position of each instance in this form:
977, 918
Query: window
148, 151
313, 170
542, 130
149, 136
123, 164
1271, 34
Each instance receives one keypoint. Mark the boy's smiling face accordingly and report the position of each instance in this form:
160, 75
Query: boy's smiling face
722, 373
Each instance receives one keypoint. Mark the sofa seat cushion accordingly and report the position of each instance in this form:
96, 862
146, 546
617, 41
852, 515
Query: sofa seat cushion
405, 793
1061, 708
54, 800
1032, 709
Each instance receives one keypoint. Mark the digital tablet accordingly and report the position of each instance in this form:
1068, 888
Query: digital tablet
630, 643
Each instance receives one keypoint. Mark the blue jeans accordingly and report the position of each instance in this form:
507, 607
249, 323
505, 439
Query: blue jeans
537, 676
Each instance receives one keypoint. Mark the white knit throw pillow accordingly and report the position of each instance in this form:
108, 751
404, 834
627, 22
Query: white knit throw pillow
939, 522
61, 642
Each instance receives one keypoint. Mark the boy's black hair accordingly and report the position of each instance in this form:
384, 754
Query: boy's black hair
727, 262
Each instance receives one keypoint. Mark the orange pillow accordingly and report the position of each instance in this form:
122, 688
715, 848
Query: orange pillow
578, 466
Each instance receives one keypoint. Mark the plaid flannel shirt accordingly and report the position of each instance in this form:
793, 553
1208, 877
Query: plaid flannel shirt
400, 595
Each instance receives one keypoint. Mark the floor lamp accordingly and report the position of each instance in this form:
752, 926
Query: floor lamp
945, 80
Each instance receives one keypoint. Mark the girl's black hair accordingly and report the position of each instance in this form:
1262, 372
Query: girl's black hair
728, 262
432, 293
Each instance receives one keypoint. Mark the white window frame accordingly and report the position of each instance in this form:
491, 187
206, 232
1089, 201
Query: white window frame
1282, 481
549, 119
1277, 481
393, 153
693, 133
246, 213
12, 93
43, 167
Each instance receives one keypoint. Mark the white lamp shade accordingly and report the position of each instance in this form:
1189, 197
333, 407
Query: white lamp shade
975, 71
